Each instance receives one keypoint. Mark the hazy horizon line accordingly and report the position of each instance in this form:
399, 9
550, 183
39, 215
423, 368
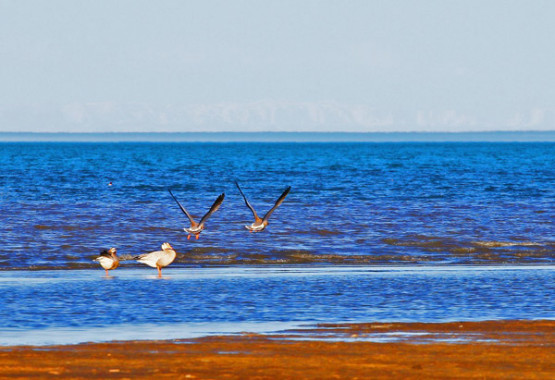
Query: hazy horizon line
286, 136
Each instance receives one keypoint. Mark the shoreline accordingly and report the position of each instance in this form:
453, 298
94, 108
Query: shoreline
487, 349
381, 266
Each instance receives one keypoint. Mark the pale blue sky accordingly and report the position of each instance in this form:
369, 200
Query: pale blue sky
103, 66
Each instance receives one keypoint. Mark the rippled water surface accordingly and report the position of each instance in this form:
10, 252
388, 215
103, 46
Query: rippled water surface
360, 203
369, 232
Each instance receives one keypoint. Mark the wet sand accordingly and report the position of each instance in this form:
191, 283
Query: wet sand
481, 350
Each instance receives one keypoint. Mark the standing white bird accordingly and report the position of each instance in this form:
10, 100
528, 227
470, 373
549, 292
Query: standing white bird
108, 259
196, 228
158, 259
261, 223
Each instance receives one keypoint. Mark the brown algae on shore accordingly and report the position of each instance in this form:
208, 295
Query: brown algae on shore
495, 349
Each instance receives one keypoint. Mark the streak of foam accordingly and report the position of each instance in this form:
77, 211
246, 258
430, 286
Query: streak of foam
494, 244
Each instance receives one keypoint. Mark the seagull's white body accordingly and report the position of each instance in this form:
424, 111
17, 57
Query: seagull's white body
158, 259
256, 227
108, 260
194, 230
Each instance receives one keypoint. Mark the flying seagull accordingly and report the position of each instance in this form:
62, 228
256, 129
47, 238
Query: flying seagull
158, 259
260, 224
196, 228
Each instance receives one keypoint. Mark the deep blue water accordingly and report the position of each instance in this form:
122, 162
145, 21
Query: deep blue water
375, 203
451, 216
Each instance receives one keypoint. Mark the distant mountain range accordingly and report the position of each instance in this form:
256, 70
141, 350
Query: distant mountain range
258, 116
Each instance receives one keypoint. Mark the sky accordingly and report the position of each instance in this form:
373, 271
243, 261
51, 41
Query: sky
301, 65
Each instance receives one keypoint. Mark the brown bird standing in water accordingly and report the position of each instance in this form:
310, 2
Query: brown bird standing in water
108, 259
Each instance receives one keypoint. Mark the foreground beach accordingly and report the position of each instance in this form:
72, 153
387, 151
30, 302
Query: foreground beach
492, 349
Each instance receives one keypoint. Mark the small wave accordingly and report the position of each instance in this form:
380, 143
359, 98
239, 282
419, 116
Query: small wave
326, 232
463, 250
495, 244
319, 232
64, 227
42, 227
205, 250
420, 241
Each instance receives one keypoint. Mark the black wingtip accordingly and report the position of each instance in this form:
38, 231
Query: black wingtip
173, 196
239, 188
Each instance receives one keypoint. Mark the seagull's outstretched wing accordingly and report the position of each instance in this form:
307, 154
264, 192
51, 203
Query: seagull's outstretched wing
213, 209
193, 223
256, 218
278, 202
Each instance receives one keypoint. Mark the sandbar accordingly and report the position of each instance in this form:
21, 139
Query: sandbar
473, 350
